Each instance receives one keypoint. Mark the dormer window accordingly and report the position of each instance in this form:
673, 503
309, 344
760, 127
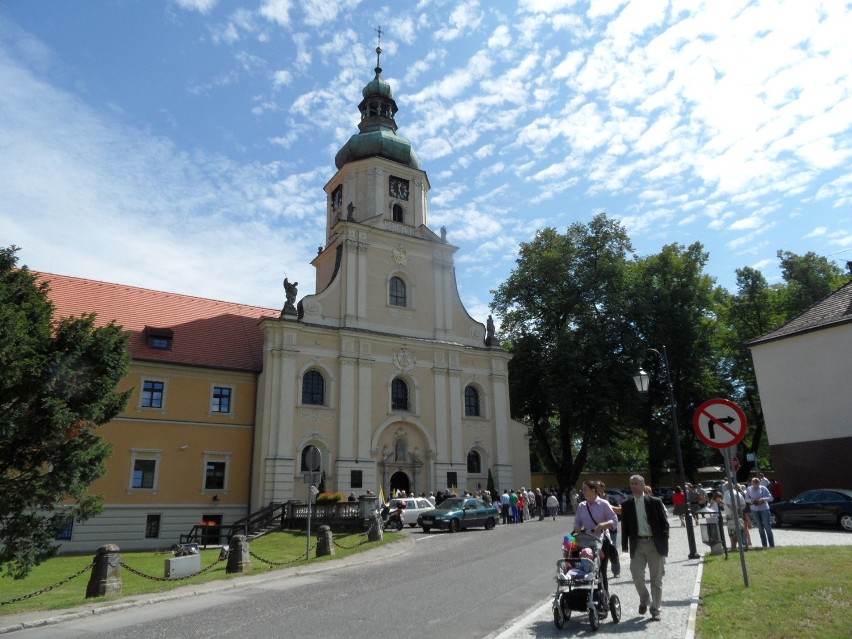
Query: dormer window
159, 338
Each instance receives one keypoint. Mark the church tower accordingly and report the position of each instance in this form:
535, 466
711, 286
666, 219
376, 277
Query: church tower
381, 378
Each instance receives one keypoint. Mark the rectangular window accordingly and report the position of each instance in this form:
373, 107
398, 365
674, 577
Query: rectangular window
221, 400
67, 530
452, 480
356, 479
152, 527
144, 471
152, 394
214, 475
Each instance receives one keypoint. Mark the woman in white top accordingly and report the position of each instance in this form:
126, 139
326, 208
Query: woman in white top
759, 497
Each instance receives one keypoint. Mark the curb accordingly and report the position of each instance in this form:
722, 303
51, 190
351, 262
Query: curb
696, 597
370, 556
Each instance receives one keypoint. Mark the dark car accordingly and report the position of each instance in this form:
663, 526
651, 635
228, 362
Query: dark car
456, 513
821, 506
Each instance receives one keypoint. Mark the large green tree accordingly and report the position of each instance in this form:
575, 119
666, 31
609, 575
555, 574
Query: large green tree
58, 381
672, 305
563, 311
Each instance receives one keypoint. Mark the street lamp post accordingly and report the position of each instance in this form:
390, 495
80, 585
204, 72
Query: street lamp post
642, 379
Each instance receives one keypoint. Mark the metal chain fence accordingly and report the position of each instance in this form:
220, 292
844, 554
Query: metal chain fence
282, 563
48, 588
139, 573
361, 542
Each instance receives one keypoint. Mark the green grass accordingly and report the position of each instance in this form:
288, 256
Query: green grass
275, 547
795, 592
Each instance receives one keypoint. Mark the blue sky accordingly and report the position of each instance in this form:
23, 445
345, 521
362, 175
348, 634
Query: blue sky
182, 145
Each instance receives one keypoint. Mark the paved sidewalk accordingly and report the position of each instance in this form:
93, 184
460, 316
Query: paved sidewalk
681, 588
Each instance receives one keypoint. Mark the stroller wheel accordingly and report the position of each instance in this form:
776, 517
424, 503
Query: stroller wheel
594, 619
615, 608
558, 617
565, 603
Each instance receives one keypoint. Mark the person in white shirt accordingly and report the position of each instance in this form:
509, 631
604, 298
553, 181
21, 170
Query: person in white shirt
759, 497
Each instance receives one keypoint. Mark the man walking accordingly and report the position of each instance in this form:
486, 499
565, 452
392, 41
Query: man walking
645, 530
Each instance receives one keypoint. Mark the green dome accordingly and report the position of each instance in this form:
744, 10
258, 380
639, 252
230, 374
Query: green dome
383, 143
377, 137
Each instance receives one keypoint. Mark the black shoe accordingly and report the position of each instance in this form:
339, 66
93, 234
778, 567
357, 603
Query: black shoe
643, 608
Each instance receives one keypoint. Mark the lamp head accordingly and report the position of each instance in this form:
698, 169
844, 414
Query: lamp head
641, 379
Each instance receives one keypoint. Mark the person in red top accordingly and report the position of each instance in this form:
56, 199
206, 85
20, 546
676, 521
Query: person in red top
521, 499
679, 502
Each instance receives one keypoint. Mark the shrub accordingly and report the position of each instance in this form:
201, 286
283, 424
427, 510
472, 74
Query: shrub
329, 498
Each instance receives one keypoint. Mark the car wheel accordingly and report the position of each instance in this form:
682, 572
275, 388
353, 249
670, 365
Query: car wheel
615, 608
775, 520
411, 525
426, 529
489, 523
594, 619
846, 522
454, 525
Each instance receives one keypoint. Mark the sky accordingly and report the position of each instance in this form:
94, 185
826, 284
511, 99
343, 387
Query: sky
182, 145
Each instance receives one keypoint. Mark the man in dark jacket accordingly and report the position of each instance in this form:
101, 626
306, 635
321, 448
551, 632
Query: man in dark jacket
645, 530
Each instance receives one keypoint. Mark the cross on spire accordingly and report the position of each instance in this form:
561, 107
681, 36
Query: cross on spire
380, 32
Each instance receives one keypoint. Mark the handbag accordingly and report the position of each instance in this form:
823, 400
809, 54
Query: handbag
608, 548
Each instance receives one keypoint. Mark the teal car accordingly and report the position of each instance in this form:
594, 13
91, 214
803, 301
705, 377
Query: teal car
457, 513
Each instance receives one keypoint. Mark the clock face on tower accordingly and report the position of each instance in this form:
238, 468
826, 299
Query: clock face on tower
398, 188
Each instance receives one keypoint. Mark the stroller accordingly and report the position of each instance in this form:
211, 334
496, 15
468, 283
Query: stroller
581, 583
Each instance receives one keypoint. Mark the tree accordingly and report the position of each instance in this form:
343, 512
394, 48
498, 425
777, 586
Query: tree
563, 317
808, 278
58, 383
672, 305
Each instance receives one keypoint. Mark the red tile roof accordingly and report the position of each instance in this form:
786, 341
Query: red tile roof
207, 333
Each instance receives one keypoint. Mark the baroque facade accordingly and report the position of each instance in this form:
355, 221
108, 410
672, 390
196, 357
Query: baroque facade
379, 381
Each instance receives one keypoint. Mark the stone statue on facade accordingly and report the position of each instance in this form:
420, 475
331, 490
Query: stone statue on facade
490, 339
290, 292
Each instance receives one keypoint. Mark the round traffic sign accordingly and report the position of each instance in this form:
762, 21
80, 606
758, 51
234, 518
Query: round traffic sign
719, 423
735, 464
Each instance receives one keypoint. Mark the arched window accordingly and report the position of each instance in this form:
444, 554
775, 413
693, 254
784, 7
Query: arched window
471, 402
313, 388
311, 459
399, 394
396, 292
474, 463
398, 215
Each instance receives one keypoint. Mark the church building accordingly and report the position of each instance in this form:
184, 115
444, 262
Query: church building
379, 380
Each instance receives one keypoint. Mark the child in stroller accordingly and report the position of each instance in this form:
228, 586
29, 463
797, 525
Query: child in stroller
581, 582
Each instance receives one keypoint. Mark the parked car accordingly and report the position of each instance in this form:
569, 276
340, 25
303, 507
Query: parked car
821, 506
616, 495
458, 513
665, 494
413, 508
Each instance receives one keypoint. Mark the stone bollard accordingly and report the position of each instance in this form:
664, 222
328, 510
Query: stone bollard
106, 573
325, 541
374, 527
239, 559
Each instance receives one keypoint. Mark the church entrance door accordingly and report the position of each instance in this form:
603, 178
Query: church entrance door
399, 481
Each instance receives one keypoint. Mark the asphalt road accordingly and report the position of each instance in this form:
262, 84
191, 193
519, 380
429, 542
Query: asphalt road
470, 584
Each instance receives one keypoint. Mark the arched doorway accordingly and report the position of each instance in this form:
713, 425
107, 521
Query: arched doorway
399, 481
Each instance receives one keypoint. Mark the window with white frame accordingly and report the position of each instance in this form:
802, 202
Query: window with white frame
313, 388
153, 394
471, 402
144, 470
221, 402
216, 465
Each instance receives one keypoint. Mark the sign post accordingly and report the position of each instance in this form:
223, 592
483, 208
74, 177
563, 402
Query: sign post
722, 424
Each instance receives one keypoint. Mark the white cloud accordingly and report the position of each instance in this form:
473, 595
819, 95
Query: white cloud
202, 6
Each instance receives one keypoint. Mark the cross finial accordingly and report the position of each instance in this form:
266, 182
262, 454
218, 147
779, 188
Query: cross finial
380, 32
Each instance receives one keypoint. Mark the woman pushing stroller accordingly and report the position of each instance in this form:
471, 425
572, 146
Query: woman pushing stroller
596, 517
